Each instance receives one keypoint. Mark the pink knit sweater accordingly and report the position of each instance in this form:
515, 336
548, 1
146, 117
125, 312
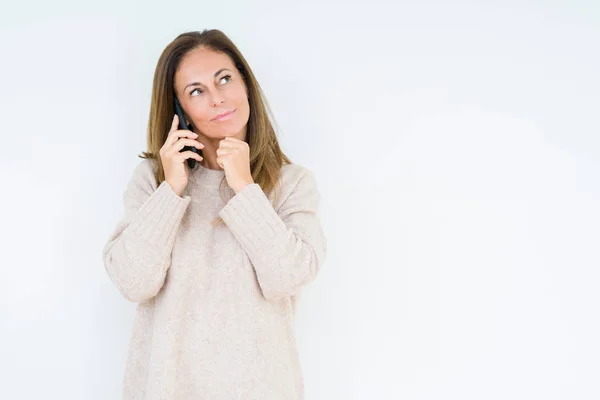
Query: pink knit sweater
215, 318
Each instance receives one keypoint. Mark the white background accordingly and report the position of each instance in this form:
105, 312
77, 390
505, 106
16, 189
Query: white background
456, 148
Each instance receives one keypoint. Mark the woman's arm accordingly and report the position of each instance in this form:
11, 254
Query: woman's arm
138, 252
286, 247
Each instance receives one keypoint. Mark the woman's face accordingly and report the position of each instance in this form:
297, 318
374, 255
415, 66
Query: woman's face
207, 84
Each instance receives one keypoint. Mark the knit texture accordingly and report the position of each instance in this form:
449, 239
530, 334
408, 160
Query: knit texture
215, 318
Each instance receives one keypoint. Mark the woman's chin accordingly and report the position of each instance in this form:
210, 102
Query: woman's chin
233, 134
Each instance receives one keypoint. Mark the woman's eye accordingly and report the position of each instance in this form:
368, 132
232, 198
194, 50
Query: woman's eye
200, 91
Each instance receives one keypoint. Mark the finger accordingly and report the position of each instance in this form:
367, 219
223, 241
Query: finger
169, 139
181, 143
174, 136
227, 144
224, 152
189, 154
232, 143
175, 123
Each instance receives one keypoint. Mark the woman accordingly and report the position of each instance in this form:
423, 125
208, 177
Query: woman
216, 254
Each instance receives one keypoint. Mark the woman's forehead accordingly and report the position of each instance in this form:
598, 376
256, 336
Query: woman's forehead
204, 63
201, 66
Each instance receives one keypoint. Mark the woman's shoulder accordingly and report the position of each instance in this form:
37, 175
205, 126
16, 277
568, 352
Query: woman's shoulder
296, 181
144, 173
293, 174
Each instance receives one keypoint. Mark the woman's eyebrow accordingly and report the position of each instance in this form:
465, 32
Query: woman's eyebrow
198, 83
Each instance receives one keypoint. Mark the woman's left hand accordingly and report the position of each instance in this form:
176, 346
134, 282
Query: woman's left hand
233, 155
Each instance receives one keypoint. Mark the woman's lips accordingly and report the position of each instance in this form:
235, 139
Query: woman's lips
224, 117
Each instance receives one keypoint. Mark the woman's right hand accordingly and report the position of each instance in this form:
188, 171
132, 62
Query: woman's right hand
173, 161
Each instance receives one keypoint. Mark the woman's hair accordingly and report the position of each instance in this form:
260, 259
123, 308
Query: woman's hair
266, 157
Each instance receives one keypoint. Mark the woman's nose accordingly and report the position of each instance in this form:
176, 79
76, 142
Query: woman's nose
217, 98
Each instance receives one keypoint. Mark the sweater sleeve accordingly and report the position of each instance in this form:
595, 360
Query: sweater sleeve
138, 252
286, 247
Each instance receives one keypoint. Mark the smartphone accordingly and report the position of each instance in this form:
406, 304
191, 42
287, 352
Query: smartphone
182, 125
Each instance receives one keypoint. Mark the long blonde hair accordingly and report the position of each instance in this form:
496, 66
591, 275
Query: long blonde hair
266, 156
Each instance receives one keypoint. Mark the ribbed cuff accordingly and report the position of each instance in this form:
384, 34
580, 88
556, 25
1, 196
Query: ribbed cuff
252, 219
158, 219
